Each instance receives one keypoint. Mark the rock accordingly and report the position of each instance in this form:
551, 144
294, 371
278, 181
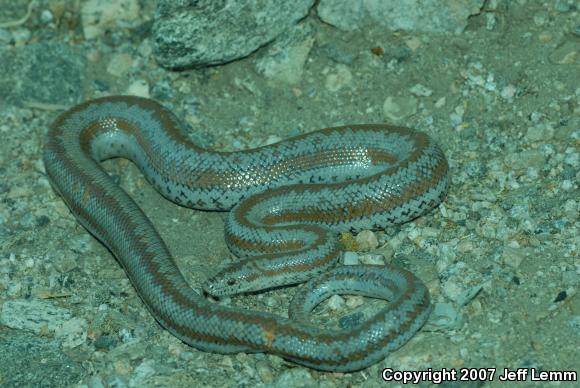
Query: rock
367, 240
188, 34
350, 258
98, 16
72, 333
34, 315
527, 158
410, 15
445, 316
513, 255
372, 259
297, 377
284, 60
120, 64
139, 88
338, 79
459, 283
335, 302
397, 109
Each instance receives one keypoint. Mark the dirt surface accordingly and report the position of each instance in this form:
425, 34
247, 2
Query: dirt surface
500, 256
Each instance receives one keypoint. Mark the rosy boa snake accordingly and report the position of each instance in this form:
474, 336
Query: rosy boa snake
296, 195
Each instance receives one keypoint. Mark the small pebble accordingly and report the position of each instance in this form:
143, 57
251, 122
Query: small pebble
339, 79
335, 302
367, 240
396, 109
350, 258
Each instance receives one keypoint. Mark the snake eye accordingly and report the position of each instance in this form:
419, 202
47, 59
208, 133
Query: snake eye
231, 282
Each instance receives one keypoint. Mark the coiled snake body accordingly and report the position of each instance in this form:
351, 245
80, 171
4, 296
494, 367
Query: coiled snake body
289, 200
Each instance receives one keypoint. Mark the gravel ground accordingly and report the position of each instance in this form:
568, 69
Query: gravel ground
500, 256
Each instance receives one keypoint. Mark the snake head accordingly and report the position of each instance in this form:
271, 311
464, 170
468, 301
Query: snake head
241, 277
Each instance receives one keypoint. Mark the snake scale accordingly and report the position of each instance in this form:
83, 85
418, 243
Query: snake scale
288, 201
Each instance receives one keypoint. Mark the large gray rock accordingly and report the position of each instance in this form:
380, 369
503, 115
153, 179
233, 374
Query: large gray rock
206, 32
408, 15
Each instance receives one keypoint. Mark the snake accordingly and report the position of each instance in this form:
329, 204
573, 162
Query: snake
287, 204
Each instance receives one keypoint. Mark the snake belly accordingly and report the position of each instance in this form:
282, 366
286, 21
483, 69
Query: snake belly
288, 200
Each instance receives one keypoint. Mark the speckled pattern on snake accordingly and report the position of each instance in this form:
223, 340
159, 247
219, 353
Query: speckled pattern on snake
289, 200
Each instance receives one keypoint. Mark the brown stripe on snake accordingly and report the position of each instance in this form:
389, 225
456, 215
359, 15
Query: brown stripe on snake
289, 199
281, 271
279, 246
